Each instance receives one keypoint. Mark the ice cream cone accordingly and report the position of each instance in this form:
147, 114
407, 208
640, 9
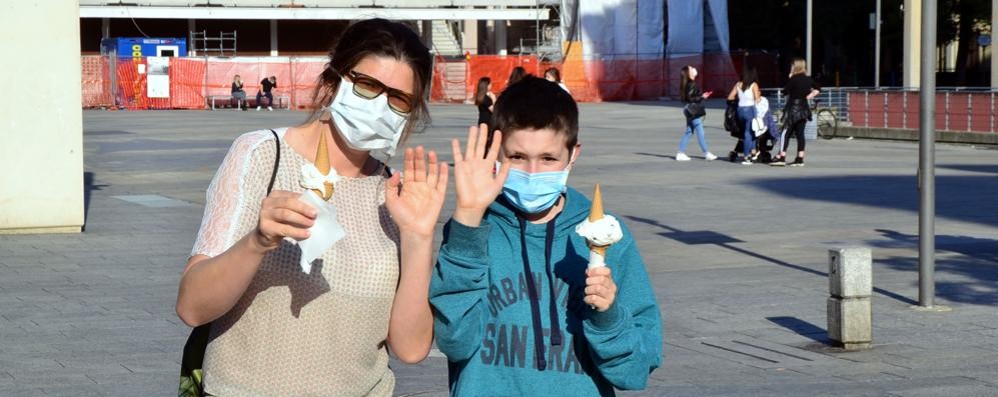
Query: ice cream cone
601, 250
596, 213
322, 164
596, 210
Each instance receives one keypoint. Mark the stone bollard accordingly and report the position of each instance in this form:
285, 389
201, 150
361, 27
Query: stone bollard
850, 313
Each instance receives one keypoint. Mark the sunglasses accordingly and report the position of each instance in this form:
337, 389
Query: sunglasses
368, 87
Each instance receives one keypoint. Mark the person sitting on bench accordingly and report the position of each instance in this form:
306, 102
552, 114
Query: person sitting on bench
266, 86
238, 94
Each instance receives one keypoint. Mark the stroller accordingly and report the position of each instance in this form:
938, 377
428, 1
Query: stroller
767, 134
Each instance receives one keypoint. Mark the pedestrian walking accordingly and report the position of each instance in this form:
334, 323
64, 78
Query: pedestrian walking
484, 99
746, 91
517, 74
554, 75
694, 110
799, 90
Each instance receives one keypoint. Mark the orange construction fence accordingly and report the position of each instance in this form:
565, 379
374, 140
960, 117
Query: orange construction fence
123, 84
610, 78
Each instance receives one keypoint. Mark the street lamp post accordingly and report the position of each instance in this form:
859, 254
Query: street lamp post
809, 20
876, 48
926, 160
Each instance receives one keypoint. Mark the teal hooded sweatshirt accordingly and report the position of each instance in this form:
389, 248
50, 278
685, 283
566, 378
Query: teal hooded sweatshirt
509, 313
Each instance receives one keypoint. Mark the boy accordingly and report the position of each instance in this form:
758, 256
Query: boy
515, 309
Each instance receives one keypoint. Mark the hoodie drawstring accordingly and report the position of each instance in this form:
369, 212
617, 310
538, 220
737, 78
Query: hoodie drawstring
552, 308
535, 311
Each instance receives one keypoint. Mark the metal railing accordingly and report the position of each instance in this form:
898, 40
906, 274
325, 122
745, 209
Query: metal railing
971, 109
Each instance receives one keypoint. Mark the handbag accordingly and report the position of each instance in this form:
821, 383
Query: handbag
191, 372
694, 110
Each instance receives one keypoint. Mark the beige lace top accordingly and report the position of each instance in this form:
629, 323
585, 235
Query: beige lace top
291, 333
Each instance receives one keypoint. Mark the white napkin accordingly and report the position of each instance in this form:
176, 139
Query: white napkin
324, 233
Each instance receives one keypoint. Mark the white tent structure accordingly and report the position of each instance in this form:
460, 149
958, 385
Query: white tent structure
626, 50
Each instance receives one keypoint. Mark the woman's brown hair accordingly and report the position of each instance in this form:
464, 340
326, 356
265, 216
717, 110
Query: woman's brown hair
684, 83
378, 37
482, 90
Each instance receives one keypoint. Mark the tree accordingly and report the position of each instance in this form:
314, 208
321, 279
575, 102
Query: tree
957, 20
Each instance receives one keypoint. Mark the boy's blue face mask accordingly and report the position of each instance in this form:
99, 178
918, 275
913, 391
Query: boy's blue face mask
534, 193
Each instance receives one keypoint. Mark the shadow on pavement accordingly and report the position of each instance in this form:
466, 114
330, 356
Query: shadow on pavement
985, 168
88, 186
704, 237
963, 198
655, 155
803, 328
975, 247
978, 265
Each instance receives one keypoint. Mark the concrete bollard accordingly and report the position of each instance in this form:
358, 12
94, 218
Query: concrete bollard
850, 284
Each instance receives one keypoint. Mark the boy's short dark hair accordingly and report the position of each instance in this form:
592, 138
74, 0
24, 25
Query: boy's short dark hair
535, 103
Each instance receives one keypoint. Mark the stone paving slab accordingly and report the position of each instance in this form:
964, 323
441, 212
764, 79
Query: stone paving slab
737, 257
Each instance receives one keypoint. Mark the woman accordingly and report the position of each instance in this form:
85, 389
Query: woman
484, 99
747, 92
554, 75
237, 92
517, 74
799, 89
275, 330
692, 98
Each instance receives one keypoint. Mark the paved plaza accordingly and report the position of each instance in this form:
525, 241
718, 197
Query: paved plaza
738, 256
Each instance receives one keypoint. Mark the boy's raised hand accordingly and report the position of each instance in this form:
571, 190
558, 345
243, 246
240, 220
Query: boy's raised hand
475, 177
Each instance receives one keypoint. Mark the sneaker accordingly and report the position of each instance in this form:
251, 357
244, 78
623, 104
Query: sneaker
709, 156
755, 157
258, 108
270, 109
798, 162
747, 161
778, 161
682, 157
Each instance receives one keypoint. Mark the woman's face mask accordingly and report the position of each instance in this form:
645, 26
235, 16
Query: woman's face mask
366, 124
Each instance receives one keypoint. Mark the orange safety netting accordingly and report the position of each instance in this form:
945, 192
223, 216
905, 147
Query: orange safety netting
610, 78
194, 80
186, 85
96, 82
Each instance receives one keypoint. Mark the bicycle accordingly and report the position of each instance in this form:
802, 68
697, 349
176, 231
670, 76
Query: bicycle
828, 122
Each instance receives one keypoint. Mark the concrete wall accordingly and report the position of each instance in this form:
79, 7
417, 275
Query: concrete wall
901, 134
41, 139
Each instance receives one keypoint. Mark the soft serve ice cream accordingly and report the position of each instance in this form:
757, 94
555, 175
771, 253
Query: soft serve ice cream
600, 230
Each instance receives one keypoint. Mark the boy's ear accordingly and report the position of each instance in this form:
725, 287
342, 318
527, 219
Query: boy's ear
575, 153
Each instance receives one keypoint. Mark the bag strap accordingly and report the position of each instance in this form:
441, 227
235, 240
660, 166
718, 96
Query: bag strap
277, 162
